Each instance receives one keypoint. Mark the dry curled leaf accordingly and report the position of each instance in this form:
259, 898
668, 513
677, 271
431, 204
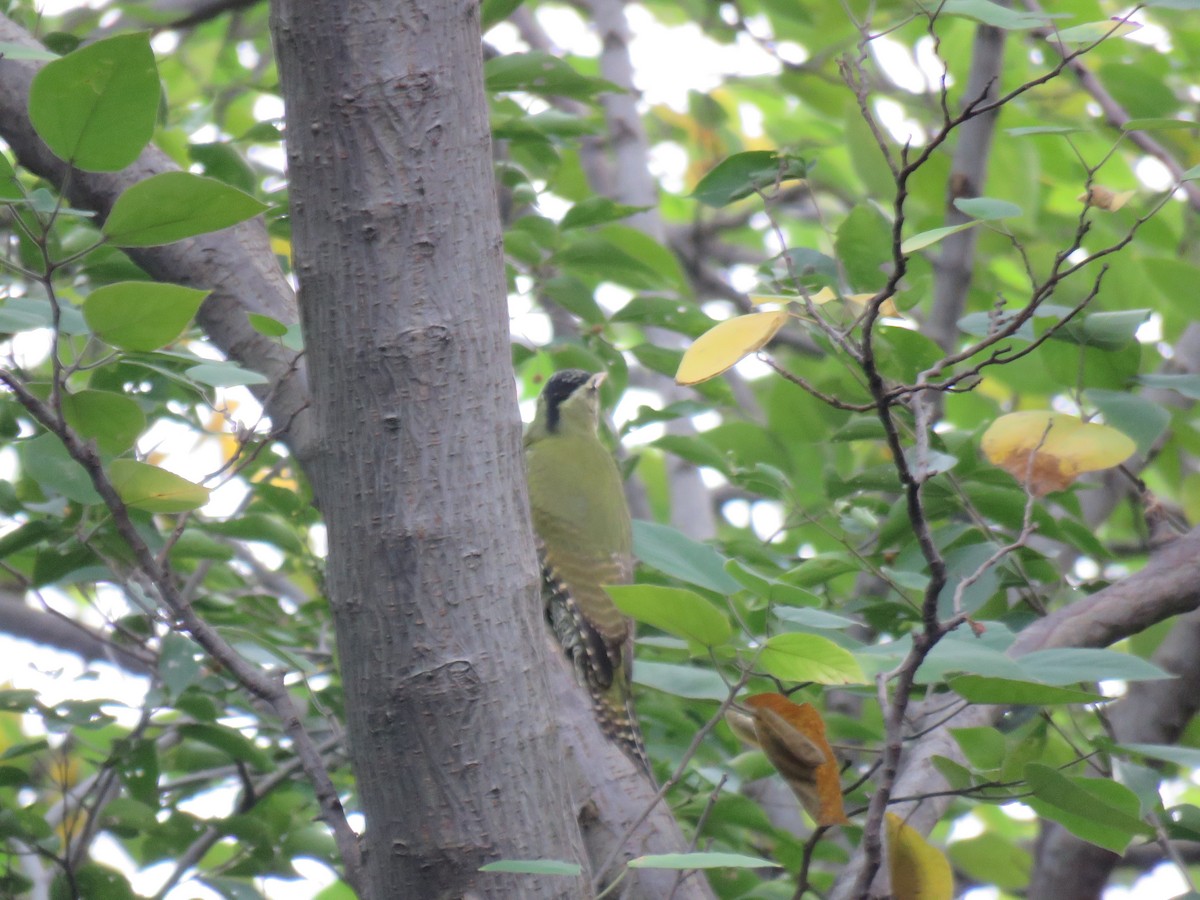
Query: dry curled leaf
793, 738
1104, 198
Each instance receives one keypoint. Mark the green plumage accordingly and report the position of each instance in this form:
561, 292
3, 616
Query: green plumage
584, 542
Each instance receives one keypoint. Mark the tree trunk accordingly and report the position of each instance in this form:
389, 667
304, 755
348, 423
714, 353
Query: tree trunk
432, 575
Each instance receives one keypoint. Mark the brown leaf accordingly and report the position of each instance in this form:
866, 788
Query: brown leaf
793, 738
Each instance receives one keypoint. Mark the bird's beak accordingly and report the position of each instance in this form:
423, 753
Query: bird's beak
596, 380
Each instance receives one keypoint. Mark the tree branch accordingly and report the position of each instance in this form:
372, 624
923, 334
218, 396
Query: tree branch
236, 264
266, 687
1167, 586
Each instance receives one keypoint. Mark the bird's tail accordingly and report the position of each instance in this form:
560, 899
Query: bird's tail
613, 707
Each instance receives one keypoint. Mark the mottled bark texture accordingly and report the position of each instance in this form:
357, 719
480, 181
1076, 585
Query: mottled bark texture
417, 456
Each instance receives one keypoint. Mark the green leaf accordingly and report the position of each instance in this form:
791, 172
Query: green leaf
96, 107
957, 776
10, 50
860, 428
864, 247
690, 682
596, 211
674, 553
701, 861
810, 657
94, 880
1141, 419
741, 175
25, 313
1188, 757
822, 569
1070, 665
139, 772
141, 315
493, 11
173, 206
987, 209
225, 374
928, 238
1042, 129
533, 867
178, 665
593, 256
990, 859
995, 15
113, 421
17, 700
813, 618
45, 459
148, 487
676, 611
968, 655
1092, 32
982, 689
1152, 123
1107, 330
268, 529
540, 73
1187, 385
1095, 809
265, 325
229, 741
643, 248
1191, 174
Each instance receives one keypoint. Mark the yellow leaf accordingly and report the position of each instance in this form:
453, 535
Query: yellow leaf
1050, 450
824, 295
919, 870
886, 308
282, 247
726, 344
792, 735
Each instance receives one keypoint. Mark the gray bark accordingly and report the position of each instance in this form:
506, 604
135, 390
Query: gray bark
432, 574
956, 263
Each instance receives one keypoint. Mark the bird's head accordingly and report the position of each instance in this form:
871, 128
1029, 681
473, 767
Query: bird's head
569, 404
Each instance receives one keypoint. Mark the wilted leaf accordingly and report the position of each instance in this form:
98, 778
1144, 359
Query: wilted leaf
792, 735
919, 870
1104, 198
1062, 447
726, 344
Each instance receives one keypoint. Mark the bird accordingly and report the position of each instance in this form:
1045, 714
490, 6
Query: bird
584, 537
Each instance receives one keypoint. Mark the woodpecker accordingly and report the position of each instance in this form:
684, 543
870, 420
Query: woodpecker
584, 538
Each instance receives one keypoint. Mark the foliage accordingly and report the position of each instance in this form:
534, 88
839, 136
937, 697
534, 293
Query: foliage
868, 558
